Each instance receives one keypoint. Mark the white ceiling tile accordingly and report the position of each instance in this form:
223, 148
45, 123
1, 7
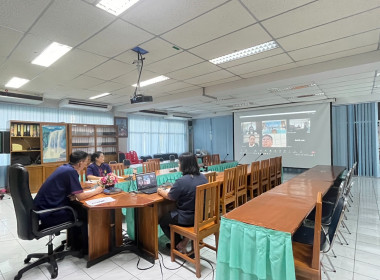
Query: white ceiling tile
239, 40
315, 14
338, 55
160, 16
183, 90
8, 38
131, 77
266, 9
222, 81
174, 62
221, 21
107, 87
20, 14
270, 70
18, 69
353, 42
221, 74
76, 62
193, 71
110, 70
261, 64
115, 39
70, 22
332, 31
83, 82
157, 49
339, 78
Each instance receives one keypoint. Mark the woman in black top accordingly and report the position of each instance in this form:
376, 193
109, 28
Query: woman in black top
183, 192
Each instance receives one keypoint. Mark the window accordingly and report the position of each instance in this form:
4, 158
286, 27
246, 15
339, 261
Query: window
150, 135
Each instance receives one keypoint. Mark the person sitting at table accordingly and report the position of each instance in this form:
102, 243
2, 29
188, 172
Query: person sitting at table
97, 169
59, 189
183, 192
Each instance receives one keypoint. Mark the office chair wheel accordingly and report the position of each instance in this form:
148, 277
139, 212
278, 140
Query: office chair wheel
26, 261
54, 274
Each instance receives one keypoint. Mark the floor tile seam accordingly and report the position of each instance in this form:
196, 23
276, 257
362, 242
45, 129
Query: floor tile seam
365, 276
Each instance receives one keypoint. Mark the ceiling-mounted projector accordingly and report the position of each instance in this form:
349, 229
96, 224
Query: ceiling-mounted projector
139, 98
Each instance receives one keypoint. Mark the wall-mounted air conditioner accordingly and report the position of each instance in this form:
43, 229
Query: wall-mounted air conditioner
84, 105
20, 98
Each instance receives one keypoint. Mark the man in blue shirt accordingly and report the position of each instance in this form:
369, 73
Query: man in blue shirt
62, 186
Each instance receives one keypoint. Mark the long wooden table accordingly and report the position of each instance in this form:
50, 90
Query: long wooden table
281, 209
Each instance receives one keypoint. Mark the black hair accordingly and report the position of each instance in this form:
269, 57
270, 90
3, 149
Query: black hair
95, 155
189, 164
78, 156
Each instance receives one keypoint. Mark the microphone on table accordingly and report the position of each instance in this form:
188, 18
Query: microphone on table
224, 160
241, 158
258, 156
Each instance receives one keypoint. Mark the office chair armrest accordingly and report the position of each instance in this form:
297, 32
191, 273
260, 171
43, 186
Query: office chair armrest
57, 209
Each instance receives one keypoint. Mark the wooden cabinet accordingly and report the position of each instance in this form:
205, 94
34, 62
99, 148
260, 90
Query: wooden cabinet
25, 142
92, 138
35, 177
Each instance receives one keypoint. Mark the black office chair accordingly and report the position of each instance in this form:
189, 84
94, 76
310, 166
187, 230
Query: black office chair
127, 163
121, 157
28, 222
172, 158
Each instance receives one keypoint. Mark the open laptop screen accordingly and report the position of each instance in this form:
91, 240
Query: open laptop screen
146, 181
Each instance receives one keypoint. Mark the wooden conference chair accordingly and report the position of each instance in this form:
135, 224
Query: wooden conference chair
207, 160
211, 176
241, 184
117, 168
148, 166
254, 183
156, 162
264, 175
272, 173
229, 190
206, 222
215, 159
278, 170
83, 175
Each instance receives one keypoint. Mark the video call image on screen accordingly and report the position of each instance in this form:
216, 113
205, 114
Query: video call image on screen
293, 132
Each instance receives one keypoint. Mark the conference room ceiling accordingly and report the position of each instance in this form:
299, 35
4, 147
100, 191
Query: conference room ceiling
328, 50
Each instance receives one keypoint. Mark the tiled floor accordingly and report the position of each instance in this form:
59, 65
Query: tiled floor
359, 260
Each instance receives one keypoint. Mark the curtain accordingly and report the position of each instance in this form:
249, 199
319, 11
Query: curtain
152, 135
355, 137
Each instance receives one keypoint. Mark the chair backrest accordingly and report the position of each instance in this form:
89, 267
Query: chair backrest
156, 162
229, 182
211, 176
206, 206
148, 166
272, 167
215, 159
22, 201
207, 160
354, 167
121, 156
335, 221
241, 177
172, 158
112, 162
315, 263
264, 169
117, 168
255, 173
133, 157
278, 166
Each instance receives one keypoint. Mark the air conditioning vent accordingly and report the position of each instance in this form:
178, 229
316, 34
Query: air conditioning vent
84, 105
20, 98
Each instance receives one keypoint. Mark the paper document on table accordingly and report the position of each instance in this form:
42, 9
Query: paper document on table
98, 201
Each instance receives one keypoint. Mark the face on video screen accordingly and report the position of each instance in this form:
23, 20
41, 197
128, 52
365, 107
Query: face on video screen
267, 141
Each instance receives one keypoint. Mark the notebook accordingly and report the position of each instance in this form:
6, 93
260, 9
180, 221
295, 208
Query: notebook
146, 183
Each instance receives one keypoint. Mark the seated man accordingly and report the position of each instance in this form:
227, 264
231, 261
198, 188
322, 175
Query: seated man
62, 186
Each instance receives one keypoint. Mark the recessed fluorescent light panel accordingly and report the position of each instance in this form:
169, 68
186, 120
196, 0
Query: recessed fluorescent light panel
16, 82
246, 52
100, 95
51, 54
116, 7
152, 81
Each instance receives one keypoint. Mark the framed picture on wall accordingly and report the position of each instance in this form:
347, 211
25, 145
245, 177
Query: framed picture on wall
54, 143
122, 126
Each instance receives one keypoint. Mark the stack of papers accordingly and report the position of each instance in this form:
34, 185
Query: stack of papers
98, 201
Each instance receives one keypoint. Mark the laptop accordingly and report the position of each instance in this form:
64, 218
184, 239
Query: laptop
146, 183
